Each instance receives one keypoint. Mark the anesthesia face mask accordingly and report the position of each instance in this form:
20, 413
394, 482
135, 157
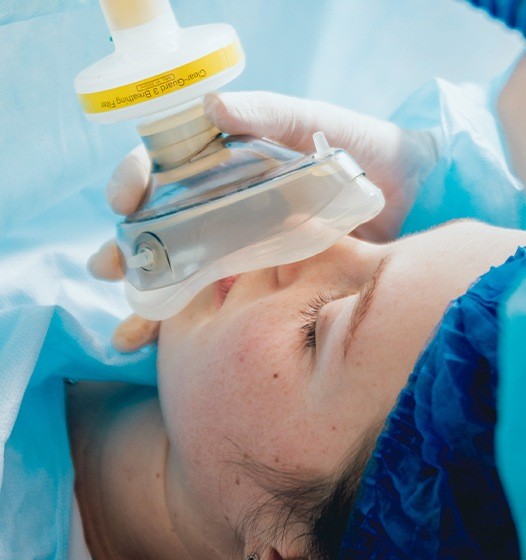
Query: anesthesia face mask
217, 205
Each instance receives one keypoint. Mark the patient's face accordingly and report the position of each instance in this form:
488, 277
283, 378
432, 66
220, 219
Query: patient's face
292, 364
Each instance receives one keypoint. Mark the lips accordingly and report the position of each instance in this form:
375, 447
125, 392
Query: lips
222, 288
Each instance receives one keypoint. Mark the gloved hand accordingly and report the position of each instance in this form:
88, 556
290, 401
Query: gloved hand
396, 160
512, 112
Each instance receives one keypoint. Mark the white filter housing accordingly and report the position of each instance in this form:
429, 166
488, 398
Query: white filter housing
157, 65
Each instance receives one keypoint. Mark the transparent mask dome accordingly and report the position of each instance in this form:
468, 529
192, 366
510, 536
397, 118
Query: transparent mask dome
239, 204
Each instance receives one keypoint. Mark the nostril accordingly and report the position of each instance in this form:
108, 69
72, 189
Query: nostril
287, 274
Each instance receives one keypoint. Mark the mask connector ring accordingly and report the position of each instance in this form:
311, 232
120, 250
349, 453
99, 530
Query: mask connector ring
144, 259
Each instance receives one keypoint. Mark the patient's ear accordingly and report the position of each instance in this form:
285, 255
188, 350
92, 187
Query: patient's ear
275, 555
266, 540
270, 553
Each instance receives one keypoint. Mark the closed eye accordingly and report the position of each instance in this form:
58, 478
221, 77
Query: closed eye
309, 315
311, 311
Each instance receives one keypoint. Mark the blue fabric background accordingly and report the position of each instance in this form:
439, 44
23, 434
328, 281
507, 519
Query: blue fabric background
511, 12
55, 321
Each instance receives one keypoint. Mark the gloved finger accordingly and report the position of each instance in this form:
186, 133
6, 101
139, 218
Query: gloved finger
104, 264
292, 121
127, 185
134, 333
396, 160
513, 118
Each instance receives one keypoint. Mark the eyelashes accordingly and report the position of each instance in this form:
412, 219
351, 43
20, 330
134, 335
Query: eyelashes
309, 316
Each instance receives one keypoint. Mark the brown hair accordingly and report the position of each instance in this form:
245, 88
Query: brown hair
312, 506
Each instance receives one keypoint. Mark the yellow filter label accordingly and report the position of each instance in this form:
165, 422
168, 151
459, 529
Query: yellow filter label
162, 84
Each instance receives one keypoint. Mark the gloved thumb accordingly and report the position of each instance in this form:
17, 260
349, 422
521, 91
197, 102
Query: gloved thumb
128, 183
292, 121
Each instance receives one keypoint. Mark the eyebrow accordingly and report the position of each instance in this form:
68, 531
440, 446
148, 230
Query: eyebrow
363, 304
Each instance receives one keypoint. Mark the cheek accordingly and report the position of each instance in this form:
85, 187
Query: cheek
229, 381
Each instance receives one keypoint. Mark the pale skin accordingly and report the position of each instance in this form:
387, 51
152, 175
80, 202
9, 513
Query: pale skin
237, 375
155, 470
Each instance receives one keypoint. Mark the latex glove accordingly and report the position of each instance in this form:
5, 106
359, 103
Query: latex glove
124, 193
512, 112
395, 159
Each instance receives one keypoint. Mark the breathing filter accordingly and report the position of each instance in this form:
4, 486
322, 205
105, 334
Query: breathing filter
217, 205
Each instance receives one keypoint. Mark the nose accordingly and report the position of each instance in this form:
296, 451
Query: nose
288, 274
321, 263
348, 255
